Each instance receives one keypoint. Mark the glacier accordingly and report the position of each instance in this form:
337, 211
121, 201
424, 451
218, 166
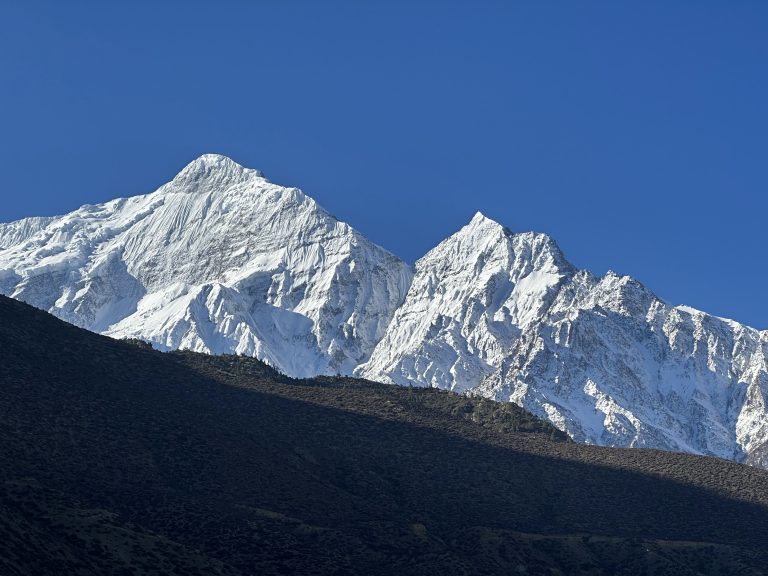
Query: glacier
220, 260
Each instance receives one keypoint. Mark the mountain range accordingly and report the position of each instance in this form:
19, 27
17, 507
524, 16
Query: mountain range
220, 260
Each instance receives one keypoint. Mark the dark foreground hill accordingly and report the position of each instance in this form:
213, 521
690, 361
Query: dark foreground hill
115, 459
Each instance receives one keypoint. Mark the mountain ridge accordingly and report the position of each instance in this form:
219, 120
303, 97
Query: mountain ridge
220, 260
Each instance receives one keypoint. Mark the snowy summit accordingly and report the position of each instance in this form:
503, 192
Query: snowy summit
217, 260
220, 260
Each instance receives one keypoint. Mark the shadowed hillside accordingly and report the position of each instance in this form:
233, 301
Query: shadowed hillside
121, 460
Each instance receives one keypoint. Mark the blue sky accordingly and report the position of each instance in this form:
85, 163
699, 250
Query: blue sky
634, 133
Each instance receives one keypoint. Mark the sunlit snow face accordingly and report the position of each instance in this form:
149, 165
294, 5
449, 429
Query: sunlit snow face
221, 260
217, 260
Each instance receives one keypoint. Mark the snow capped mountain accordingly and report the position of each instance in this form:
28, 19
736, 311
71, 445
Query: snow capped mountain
470, 300
506, 316
221, 260
217, 260
612, 364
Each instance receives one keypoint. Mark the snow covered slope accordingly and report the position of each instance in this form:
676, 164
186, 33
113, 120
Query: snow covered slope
506, 316
221, 260
217, 260
470, 300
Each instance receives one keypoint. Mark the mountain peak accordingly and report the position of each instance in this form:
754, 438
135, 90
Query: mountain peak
481, 219
212, 162
213, 170
479, 216
482, 227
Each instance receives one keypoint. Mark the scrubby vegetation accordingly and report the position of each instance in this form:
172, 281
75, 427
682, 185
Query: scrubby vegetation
117, 459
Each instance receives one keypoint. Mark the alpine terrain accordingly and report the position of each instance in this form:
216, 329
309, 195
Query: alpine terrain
220, 260
505, 316
217, 260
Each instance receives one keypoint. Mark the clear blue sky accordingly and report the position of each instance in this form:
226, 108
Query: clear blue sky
635, 133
